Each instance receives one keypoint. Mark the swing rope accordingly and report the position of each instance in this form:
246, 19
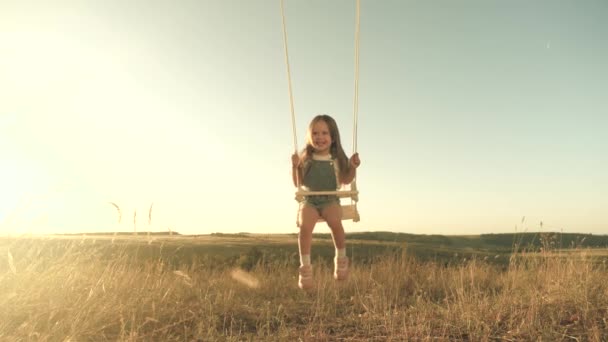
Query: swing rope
353, 193
353, 186
290, 89
293, 114
356, 96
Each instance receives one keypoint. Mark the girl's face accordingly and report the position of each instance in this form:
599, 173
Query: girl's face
321, 137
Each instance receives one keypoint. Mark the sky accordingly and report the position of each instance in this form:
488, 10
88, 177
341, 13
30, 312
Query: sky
472, 114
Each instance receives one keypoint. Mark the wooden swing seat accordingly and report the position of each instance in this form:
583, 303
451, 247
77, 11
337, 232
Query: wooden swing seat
349, 211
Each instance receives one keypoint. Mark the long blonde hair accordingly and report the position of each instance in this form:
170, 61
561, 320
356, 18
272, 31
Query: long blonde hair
335, 149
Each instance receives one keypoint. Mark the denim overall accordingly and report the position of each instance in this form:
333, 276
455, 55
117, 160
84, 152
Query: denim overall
321, 176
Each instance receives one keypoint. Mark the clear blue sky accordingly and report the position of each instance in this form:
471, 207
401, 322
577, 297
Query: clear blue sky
472, 114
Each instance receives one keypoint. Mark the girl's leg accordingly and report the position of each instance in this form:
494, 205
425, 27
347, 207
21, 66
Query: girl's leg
333, 216
308, 219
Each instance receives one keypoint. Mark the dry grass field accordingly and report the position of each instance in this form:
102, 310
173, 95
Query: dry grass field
105, 288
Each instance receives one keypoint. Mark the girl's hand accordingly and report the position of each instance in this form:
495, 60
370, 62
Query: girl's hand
295, 160
355, 161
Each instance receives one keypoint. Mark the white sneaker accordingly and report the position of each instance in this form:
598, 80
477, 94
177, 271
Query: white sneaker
305, 278
341, 268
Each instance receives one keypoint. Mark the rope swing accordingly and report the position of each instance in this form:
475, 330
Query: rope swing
349, 212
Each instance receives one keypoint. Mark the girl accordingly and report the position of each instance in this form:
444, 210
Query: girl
322, 166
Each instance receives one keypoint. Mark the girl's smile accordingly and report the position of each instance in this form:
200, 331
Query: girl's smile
321, 138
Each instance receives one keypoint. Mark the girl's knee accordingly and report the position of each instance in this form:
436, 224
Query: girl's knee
335, 226
306, 229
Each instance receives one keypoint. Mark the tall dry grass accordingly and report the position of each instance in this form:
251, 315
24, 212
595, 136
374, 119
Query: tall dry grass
71, 291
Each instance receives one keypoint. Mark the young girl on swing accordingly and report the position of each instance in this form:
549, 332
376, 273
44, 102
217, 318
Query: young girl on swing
322, 166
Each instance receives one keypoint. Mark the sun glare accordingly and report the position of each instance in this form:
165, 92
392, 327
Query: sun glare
22, 207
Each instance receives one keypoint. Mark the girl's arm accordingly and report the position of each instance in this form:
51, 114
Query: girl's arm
348, 177
351, 173
296, 171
